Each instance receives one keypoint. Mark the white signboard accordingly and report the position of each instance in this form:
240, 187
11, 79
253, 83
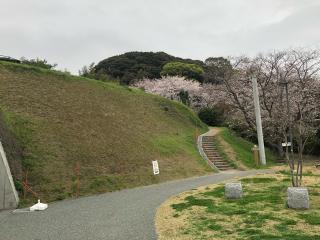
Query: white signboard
155, 167
286, 144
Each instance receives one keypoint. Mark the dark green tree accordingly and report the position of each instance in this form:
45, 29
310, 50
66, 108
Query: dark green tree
184, 97
132, 66
215, 69
211, 116
187, 70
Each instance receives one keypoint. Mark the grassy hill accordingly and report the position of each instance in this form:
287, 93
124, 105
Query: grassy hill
112, 132
238, 151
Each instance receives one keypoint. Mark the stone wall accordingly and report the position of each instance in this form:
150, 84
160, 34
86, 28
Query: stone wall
8, 194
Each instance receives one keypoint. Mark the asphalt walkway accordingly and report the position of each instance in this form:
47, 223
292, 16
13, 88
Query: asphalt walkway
122, 215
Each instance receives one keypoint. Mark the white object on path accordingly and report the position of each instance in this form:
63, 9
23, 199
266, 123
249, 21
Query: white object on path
39, 206
155, 167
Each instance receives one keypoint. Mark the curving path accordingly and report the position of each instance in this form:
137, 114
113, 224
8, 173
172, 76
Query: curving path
122, 215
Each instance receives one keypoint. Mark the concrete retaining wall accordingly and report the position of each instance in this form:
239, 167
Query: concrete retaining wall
8, 195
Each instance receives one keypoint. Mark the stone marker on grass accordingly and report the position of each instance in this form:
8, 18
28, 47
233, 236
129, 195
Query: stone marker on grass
233, 190
298, 198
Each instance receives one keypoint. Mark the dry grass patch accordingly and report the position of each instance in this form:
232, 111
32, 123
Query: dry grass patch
260, 214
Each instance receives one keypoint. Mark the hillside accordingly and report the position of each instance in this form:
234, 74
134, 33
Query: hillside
238, 150
112, 132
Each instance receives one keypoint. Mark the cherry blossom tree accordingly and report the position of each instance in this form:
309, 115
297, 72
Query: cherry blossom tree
290, 114
171, 87
289, 91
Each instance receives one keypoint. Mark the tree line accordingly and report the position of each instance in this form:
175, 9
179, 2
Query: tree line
289, 87
131, 67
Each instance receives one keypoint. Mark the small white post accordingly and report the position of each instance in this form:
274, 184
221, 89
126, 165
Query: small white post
262, 153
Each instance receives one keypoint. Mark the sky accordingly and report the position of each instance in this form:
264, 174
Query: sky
74, 33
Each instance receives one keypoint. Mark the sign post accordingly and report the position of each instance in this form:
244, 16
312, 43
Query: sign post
155, 167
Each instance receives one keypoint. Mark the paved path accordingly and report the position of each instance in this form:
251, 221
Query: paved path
122, 215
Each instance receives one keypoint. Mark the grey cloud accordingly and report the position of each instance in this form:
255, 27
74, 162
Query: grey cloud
76, 32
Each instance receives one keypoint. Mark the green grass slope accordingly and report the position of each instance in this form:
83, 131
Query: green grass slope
112, 132
243, 149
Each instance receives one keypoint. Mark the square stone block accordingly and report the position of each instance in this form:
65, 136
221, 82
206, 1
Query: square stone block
233, 190
298, 198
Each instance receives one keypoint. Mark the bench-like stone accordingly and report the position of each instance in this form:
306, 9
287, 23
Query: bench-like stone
233, 190
298, 198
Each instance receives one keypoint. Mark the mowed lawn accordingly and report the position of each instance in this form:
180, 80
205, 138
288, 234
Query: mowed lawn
111, 132
261, 214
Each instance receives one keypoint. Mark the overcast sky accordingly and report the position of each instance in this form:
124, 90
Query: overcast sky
74, 33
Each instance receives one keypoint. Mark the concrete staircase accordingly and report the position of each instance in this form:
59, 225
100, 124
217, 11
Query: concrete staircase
213, 155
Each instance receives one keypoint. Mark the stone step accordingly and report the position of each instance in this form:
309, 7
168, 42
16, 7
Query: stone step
212, 154
222, 166
209, 148
216, 158
218, 161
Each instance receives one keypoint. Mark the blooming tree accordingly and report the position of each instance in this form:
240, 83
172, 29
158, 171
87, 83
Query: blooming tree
170, 87
289, 92
289, 88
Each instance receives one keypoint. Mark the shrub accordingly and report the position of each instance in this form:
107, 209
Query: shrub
211, 116
187, 70
42, 63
